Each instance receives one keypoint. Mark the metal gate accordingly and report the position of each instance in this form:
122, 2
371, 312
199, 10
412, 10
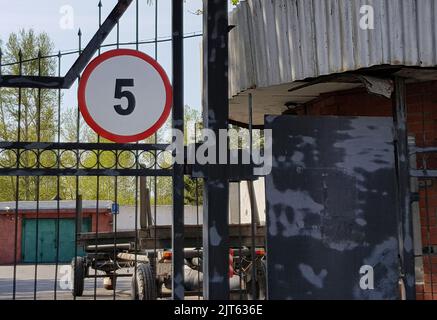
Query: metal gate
81, 165
176, 259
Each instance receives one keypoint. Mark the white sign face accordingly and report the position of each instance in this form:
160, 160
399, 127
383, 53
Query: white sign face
125, 96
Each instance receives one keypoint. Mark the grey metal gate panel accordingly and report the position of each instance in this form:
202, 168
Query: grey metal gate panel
331, 208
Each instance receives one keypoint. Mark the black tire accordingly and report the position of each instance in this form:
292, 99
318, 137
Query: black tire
144, 285
78, 276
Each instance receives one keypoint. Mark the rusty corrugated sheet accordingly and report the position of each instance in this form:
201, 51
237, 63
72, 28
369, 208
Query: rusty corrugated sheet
281, 41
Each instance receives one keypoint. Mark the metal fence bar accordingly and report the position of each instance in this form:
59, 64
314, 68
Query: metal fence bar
136, 154
403, 189
11, 145
99, 5
37, 185
155, 179
86, 172
58, 196
216, 115
253, 220
77, 180
17, 186
427, 257
178, 169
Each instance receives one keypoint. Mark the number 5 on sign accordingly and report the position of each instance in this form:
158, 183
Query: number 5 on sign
131, 102
125, 96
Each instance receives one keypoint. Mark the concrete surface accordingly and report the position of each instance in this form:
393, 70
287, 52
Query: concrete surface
45, 286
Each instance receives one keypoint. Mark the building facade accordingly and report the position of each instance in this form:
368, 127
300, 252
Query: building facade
45, 232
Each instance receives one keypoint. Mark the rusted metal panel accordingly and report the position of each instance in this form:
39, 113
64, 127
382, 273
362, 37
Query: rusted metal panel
331, 208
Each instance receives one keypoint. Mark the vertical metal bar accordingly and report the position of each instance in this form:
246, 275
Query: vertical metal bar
403, 185
253, 221
114, 276
100, 20
58, 196
216, 115
156, 30
240, 247
79, 34
136, 157
118, 35
155, 179
178, 291
79, 210
99, 5
37, 191
198, 240
424, 159
17, 182
115, 216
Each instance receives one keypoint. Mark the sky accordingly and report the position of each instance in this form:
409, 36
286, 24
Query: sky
50, 16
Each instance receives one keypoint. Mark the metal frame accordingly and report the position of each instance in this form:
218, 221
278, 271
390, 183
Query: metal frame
216, 115
403, 189
178, 169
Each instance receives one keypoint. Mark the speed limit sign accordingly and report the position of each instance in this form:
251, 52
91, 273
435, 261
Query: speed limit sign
125, 95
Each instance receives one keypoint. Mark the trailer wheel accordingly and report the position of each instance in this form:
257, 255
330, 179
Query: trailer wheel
144, 285
78, 270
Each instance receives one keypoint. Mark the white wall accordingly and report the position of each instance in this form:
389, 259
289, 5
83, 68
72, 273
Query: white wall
126, 218
239, 203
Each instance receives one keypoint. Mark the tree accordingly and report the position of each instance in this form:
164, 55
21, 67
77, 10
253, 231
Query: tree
27, 113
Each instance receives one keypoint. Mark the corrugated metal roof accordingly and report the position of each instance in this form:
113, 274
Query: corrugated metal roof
282, 41
52, 205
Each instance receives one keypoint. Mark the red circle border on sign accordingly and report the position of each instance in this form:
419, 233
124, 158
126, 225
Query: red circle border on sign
97, 128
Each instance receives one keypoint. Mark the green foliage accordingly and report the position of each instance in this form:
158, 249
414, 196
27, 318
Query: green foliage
37, 110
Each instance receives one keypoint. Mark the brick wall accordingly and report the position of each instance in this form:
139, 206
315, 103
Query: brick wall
422, 123
7, 239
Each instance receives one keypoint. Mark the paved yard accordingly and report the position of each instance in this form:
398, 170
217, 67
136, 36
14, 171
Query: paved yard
25, 284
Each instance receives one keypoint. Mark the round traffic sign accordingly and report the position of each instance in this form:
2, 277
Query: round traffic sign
125, 95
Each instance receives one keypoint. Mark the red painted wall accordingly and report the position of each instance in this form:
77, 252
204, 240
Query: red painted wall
7, 228
422, 122
7, 238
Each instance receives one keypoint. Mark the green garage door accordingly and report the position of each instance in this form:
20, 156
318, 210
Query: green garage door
47, 245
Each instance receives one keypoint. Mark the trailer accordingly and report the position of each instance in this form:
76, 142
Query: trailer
147, 251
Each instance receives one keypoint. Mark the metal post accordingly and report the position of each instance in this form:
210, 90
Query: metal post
403, 176
178, 169
216, 115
